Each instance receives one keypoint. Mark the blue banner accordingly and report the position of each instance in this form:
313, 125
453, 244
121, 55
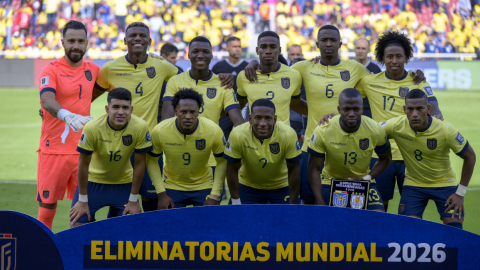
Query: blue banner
244, 237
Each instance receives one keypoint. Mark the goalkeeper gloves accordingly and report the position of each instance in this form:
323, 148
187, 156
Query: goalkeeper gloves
75, 121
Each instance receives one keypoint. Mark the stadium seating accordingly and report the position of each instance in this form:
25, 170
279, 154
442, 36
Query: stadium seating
32, 29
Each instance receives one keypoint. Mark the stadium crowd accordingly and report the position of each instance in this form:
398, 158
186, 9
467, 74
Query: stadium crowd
32, 28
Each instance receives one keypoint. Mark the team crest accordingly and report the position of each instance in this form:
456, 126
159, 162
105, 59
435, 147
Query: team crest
200, 144
151, 72
127, 140
8, 249
275, 148
345, 75
364, 143
211, 92
340, 198
286, 83
403, 91
432, 143
88, 75
46, 194
357, 201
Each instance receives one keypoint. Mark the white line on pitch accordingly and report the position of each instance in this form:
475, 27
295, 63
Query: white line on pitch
19, 182
21, 125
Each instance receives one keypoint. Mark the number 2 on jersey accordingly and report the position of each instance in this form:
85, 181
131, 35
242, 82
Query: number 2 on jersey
272, 95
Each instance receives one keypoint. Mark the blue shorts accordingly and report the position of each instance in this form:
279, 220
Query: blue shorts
147, 189
374, 198
415, 199
394, 173
249, 195
101, 195
306, 192
184, 198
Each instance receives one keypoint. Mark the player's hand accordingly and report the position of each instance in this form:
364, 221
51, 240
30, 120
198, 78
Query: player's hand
356, 178
76, 121
320, 202
227, 80
155, 55
439, 117
251, 71
132, 208
210, 201
325, 120
78, 210
302, 138
418, 76
455, 201
40, 112
316, 60
164, 201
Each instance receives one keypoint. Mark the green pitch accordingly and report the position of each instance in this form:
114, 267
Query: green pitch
20, 132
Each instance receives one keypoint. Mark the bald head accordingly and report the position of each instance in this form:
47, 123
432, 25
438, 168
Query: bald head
350, 108
350, 94
295, 51
362, 48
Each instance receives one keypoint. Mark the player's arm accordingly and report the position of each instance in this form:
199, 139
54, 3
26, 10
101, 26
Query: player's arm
299, 105
81, 206
241, 94
101, 83
232, 108
227, 80
167, 108
293, 180
97, 91
435, 110
218, 149
236, 116
232, 180
164, 201
315, 163
133, 207
251, 71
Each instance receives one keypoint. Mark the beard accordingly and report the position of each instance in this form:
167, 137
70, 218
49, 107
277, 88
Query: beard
75, 59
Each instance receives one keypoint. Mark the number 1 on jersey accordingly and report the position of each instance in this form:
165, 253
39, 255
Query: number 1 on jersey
80, 94
139, 89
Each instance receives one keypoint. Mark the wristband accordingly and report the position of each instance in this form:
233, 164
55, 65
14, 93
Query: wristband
133, 198
214, 197
82, 198
62, 113
367, 177
236, 201
461, 190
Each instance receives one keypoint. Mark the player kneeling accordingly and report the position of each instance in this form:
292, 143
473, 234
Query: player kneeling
187, 141
265, 155
346, 144
104, 169
425, 144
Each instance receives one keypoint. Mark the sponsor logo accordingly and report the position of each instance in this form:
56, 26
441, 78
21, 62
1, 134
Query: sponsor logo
173, 144
406, 138
250, 147
338, 143
200, 144
315, 74
376, 86
107, 141
123, 74
66, 76
345, 75
127, 140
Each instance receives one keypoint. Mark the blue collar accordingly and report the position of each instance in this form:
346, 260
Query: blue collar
108, 123
358, 127
279, 66
135, 65
406, 73
185, 135
430, 120
337, 63
261, 141
207, 79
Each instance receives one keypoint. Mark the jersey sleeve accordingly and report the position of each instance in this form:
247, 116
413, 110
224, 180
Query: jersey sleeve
171, 89
229, 100
362, 70
293, 148
428, 90
388, 127
317, 146
86, 145
455, 140
48, 80
299, 66
240, 91
144, 140
170, 70
219, 142
233, 149
360, 87
156, 143
297, 93
382, 142
102, 78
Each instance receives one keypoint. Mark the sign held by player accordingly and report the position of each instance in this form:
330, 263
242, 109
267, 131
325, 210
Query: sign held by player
349, 194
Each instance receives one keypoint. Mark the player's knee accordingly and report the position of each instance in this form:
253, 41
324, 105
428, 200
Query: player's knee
76, 225
48, 205
457, 225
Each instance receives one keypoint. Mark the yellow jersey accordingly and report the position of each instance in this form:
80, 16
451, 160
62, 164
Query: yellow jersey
426, 153
215, 98
263, 161
111, 149
144, 81
387, 98
186, 164
279, 86
347, 154
323, 85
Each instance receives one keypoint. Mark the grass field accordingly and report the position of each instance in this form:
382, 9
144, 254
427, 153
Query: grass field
20, 133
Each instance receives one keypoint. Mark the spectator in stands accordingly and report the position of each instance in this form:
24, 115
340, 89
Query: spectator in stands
264, 10
377, 2
179, 43
121, 13
104, 12
465, 8
51, 10
430, 46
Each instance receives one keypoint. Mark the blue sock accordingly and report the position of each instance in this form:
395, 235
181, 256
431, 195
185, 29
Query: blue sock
150, 205
456, 225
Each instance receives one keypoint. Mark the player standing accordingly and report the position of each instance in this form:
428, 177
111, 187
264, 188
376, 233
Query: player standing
425, 144
233, 65
104, 171
187, 142
346, 145
170, 53
66, 87
264, 155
